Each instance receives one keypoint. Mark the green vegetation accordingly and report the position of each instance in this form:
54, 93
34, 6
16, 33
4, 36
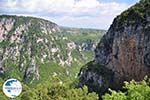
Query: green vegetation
134, 15
133, 91
80, 35
55, 89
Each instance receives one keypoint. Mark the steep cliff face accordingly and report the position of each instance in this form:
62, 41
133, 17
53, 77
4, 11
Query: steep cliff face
33, 48
125, 48
21, 41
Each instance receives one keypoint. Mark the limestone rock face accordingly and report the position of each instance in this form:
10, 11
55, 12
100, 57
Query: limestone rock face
125, 48
21, 41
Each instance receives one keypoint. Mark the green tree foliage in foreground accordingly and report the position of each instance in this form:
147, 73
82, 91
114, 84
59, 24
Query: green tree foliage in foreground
61, 91
55, 89
135, 91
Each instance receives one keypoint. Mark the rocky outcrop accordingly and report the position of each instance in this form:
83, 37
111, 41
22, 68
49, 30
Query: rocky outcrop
124, 49
97, 77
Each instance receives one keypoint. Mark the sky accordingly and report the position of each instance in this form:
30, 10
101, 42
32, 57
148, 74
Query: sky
97, 14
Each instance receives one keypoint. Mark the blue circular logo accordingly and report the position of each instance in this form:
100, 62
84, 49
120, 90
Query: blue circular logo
12, 88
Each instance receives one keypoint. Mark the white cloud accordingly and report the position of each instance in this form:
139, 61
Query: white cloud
82, 13
86, 3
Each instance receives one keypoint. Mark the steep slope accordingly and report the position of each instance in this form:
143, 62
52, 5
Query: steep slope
21, 41
123, 52
35, 49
